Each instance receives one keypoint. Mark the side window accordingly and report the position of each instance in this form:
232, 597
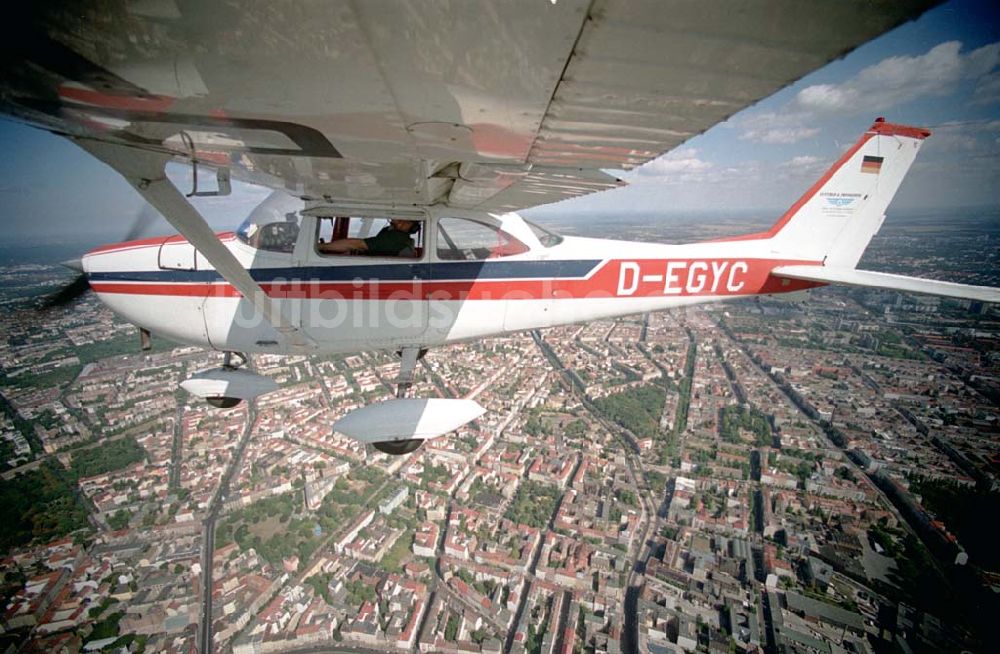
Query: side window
384, 237
331, 228
460, 239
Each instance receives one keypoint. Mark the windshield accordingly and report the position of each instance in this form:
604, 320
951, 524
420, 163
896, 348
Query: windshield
544, 236
463, 239
273, 225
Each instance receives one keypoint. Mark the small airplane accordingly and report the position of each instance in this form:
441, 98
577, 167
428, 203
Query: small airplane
470, 275
444, 118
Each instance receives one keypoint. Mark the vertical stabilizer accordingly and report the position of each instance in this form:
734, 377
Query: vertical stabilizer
837, 218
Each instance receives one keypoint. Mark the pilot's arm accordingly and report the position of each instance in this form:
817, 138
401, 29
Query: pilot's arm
389, 242
343, 246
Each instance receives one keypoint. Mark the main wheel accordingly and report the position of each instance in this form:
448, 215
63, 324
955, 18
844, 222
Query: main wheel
223, 402
397, 448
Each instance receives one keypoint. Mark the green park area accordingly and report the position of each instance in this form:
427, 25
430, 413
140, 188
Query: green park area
39, 505
274, 527
110, 455
533, 505
44, 504
636, 409
740, 423
280, 526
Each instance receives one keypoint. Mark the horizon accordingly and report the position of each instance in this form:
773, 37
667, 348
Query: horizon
51, 249
940, 71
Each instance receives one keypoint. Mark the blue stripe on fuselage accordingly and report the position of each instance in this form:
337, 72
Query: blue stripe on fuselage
437, 271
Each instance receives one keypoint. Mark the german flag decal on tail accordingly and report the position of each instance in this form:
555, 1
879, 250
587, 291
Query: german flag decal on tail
871, 164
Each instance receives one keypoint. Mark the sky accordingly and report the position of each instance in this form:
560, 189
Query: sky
941, 71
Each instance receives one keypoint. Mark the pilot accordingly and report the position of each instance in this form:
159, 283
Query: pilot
392, 241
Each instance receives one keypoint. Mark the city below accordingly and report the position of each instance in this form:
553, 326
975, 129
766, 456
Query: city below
813, 474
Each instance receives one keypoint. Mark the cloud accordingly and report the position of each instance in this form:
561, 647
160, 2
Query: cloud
685, 168
889, 83
958, 137
897, 80
779, 135
683, 162
801, 170
801, 162
987, 90
978, 137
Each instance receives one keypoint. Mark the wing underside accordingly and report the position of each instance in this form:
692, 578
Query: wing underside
492, 105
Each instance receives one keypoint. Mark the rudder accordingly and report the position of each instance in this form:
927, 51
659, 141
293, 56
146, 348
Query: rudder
837, 217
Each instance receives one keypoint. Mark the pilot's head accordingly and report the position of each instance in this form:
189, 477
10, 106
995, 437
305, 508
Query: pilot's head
405, 226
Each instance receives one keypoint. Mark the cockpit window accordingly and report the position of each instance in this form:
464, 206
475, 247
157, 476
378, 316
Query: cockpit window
273, 225
544, 236
460, 239
273, 236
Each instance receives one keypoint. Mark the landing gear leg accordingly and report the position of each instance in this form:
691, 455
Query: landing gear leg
409, 357
220, 401
227, 360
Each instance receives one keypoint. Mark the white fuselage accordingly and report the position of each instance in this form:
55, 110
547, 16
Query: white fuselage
357, 303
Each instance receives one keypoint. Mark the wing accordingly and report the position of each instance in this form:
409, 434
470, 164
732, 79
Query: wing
491, 105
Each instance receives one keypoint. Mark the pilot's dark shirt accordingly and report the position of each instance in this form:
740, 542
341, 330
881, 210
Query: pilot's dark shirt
388, 242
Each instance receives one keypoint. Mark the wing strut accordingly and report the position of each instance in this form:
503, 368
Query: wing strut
146, 171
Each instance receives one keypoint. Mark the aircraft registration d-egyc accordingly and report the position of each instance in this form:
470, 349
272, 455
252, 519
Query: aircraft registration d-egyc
444, 118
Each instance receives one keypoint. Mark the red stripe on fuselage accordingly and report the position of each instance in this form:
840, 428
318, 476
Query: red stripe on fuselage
645, 278
154, 103
155, 241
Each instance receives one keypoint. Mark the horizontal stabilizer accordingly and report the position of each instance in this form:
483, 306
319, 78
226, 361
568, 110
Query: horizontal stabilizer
890, 282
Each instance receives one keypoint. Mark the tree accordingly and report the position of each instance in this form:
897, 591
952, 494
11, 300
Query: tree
111, 455
637, 409
40, 504
119, 520
451, 628
533, 505
627, 497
